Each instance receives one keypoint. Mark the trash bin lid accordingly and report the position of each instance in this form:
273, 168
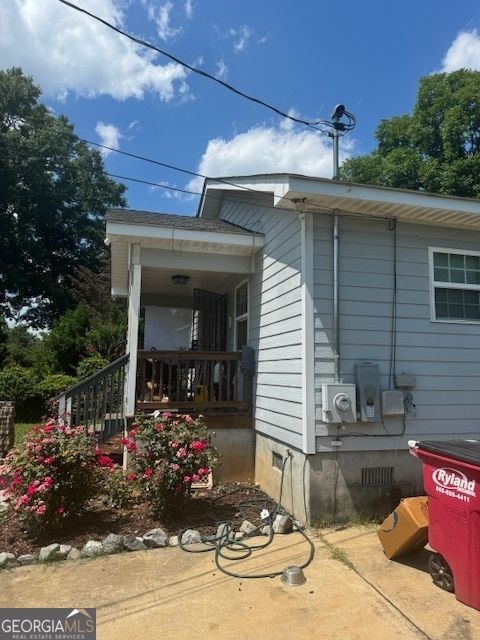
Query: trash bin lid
464, 450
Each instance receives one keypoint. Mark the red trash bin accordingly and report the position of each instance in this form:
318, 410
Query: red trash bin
451, 477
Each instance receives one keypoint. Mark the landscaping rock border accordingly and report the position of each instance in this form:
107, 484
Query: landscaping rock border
114, 543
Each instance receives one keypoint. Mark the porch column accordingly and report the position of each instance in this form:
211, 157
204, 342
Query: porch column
134, 287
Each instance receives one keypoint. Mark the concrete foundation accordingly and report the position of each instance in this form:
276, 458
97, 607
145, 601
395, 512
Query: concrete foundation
336, 490
236, 448
295, 493
328, 486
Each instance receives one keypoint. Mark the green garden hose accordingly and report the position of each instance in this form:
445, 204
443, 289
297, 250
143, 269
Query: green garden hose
230, 548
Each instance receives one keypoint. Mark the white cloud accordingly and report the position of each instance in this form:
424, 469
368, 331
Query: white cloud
67, 52
188, 7
286, 124
161, 17
222, 70
242, 36
264, 149
464, 52
109, 135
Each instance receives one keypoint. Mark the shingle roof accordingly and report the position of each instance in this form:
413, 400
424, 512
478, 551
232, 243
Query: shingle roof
171, 220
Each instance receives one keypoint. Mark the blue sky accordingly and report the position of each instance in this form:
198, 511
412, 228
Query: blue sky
301, 56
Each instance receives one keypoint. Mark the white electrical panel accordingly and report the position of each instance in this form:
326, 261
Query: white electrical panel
339, 403
392, 403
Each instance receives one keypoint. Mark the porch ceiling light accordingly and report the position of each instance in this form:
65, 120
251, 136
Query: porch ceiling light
179, 279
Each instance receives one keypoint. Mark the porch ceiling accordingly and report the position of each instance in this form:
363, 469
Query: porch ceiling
158, 288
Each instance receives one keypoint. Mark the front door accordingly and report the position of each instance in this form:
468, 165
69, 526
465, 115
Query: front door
209, 321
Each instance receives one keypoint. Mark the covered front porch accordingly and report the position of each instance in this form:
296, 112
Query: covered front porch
186, 282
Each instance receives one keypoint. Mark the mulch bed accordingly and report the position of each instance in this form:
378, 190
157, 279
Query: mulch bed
203, 510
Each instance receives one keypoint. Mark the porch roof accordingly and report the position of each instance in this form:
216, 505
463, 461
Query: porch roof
174, 242
169, 220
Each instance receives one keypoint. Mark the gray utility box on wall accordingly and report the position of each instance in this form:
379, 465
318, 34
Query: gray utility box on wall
368, 391
392, 403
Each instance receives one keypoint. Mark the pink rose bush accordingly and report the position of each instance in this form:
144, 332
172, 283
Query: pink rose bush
168, 454
53, 474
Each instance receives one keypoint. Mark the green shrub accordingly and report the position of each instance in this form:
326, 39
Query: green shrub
49, 387
53, 384
119, 488
19, 386
88, 366
30, 394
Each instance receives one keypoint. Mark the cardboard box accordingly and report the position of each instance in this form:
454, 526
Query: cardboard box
406, 529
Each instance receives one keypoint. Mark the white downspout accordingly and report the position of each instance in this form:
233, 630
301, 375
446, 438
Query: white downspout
308, 334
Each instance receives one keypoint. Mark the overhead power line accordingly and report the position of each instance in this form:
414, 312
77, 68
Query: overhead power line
167, 165
314, 124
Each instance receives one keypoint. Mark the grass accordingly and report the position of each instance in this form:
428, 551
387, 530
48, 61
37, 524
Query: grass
336, 553
21, 429
340, 555
362, 519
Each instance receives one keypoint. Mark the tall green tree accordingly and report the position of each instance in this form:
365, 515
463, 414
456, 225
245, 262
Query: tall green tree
20, 347
53, 195
436, 147
65, 345
3, 339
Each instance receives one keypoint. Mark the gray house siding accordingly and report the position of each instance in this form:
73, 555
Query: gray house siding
274, 318
444, 357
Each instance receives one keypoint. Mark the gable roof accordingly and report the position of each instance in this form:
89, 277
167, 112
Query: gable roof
323, 195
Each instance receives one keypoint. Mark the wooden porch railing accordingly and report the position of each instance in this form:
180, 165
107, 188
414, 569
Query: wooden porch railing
192, 380
98, 401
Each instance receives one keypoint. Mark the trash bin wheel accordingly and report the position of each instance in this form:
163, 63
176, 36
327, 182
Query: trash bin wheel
441, 573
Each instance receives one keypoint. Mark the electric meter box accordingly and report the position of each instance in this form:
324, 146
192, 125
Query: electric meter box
339, 403
368, 391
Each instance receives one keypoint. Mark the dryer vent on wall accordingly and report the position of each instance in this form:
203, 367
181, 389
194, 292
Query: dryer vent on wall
377, 476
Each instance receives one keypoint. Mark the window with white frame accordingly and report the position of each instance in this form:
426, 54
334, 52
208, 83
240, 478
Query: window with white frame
455, 285
241, 315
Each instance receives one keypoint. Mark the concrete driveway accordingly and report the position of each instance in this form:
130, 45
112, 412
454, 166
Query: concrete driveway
407, 584
170, 593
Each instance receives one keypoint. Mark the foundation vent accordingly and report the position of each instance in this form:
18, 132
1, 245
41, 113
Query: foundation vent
377, 476
277, 460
